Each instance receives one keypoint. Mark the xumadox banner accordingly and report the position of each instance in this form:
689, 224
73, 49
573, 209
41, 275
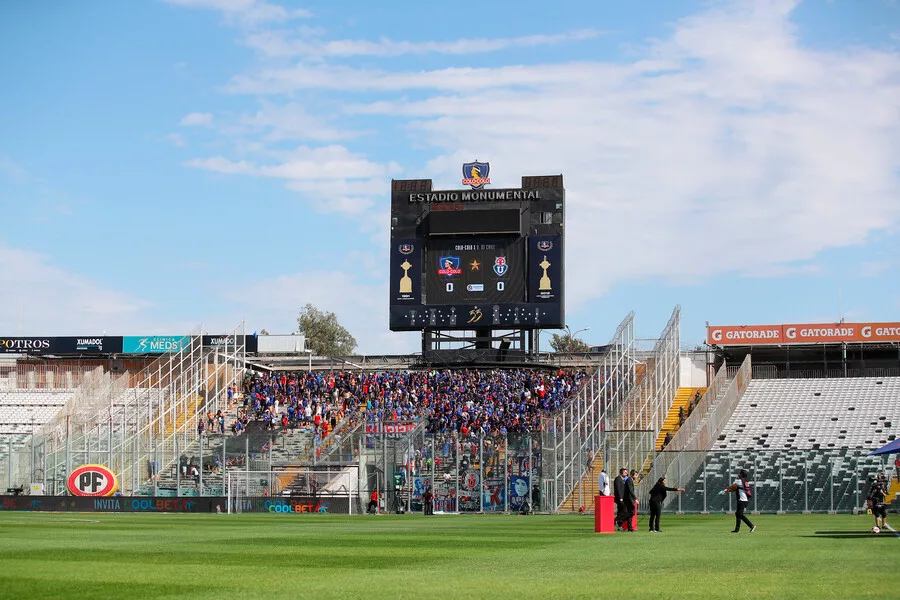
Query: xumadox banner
834, 333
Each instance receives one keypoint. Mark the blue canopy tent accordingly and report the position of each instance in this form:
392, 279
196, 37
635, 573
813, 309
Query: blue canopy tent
892, 448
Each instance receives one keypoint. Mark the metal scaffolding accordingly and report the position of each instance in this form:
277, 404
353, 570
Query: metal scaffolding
135, 423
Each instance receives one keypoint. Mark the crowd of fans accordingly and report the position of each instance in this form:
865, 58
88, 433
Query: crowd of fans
471, 402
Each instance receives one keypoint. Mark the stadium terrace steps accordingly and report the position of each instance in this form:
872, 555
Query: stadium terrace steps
786, 414
893, 491
584, 492
186, 413
682, 400
30, 407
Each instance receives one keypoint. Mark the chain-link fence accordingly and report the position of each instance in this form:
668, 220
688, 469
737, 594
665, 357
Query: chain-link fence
794, 481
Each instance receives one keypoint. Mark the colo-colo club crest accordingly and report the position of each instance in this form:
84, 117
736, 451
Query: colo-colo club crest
500, 266
448, 266
476, 174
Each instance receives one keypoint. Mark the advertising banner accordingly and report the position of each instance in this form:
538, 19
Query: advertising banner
61, 345
106, 344
295, 505
286, 506
749, 335
115, 504
250, 342
155, 344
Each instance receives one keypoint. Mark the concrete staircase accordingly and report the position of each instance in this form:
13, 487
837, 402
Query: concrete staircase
682, 401
893, 491
584, 492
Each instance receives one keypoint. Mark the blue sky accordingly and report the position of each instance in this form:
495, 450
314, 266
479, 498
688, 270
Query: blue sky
168, 164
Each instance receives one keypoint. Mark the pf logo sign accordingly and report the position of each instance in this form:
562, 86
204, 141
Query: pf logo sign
92, 480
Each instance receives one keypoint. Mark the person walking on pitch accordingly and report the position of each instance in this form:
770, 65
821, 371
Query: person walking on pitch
742, 491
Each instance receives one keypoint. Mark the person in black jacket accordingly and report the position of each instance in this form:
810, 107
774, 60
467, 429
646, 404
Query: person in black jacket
624, 495
657, 497
428, 501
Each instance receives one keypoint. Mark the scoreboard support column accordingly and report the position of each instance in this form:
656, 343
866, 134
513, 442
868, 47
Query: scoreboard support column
482, 346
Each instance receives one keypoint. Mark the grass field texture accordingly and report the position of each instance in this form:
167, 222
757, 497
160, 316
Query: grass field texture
69, 555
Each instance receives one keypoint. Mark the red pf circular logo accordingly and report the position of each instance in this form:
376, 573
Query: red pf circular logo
92, 480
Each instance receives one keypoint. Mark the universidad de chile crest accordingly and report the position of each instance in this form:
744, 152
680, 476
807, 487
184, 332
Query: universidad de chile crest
500, 266
476, 174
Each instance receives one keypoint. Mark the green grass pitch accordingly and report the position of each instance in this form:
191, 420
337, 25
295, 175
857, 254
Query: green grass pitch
70, 555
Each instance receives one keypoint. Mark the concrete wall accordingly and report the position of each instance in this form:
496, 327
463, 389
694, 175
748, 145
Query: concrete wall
692, 367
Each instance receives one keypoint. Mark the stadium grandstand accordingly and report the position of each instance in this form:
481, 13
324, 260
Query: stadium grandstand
249, 421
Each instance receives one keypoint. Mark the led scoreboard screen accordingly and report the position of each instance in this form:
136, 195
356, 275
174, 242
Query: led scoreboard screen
479, 270
479, 257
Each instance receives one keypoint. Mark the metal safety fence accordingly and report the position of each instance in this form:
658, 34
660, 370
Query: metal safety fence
788, 481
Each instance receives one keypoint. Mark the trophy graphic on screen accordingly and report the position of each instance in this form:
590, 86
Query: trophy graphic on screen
544, 285
406, 280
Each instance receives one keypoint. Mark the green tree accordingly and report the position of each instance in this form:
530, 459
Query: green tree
565, 343
324, 335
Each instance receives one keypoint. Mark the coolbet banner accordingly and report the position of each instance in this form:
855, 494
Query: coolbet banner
750, 335
284, 506
115, 504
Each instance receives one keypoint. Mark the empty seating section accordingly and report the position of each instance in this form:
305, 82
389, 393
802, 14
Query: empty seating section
825, 414
24, 411
788, 480
805, 443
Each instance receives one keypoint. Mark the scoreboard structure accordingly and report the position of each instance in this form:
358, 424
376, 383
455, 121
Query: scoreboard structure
477, 260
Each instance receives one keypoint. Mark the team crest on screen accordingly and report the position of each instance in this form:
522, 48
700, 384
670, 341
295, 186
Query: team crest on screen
476, 174
544, 245
449, 266
406, 248
500, 266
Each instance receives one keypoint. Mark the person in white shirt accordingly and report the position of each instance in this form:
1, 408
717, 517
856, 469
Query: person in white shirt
742, 490
603, 483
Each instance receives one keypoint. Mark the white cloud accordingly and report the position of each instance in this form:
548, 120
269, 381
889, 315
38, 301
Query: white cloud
246, 12
875, 268
176, 140
195, 119
572, 77
15, 172
278, 44
53, 301
292, 121
303, 163
725, 147
331, 177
